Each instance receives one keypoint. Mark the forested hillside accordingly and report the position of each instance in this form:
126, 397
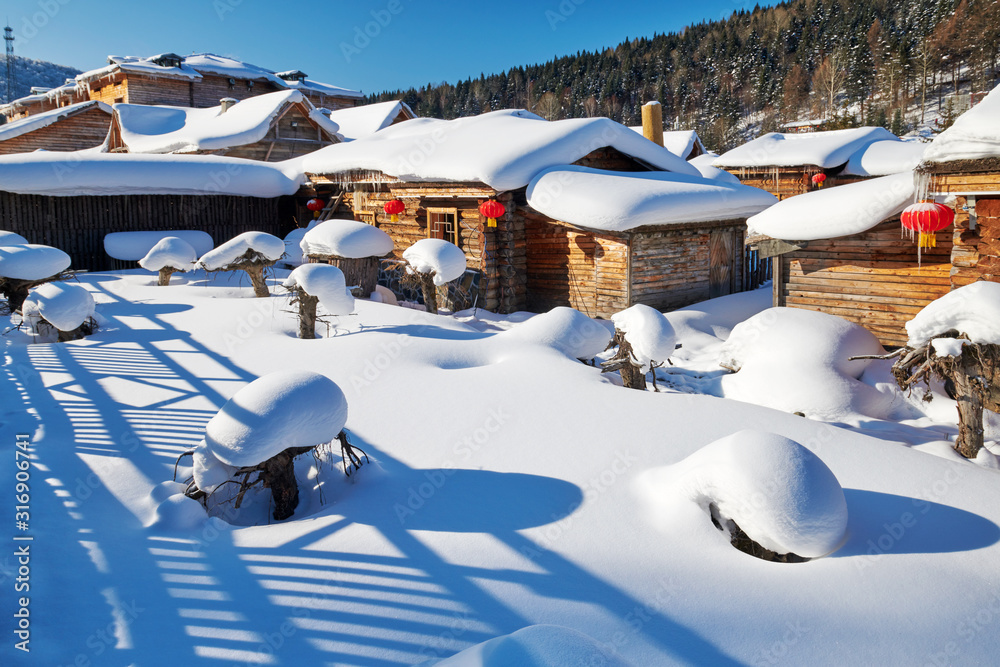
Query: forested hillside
855, 62
30, 73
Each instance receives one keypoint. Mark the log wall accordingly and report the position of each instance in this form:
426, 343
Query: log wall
283, 141
976, 253
78, 225
785, 182
85, 129
872, 279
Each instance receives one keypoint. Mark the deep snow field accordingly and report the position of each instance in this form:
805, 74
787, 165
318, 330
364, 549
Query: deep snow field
510, 485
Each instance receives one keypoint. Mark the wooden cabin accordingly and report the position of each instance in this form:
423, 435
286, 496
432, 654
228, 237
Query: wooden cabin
285, 125
42, 100
71, 128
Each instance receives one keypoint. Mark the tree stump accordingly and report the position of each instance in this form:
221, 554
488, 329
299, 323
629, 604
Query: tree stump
429, 289
968, 387
307, 314
165, 274
278, 474
256, 273
624, 360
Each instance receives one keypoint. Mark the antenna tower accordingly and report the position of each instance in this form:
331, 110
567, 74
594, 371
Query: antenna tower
8, 38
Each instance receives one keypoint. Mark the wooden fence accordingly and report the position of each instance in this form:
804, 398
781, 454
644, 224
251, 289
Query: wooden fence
756, 269
77, 225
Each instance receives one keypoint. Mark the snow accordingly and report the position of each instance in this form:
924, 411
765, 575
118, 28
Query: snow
535, 646
948, 347
275, 412
621, 201
169, 129
973, 310
834, 212
778, 492
797, 361
63, 305
648, 332
975, 134
362, 121
503, 149
886, 157
293, 250
83, 173
565, 329
821, 149
172, 252
31, 261
271, 247
678, 142
703, 163
208, 471
346, 238
133, 246
37, 121
326, 282
10, 238
445, 259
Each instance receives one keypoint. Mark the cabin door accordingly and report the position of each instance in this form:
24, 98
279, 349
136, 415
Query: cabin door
721, 264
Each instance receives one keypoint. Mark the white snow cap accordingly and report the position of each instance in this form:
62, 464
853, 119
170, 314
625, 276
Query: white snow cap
565, 329
10, 238
326, 282
356, 122
503, 149
63, 305
170, 252
973, 310
346, 238
445, 259
620, 201
703, 163
781, 494
271, 247
821, 149
886, 157
31, 261
83, 173
275, 412
678, 142
535, 646
975, 135
210, 472
648, 332
833, 212
133, 246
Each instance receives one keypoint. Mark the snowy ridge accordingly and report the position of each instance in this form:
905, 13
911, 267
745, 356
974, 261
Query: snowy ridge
361, 121
821, 149
886, 157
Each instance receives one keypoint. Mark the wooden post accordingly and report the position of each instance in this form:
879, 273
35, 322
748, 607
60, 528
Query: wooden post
652, 122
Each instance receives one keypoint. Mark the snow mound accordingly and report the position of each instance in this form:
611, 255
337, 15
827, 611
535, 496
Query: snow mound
778, 492
834, 212
445, 259
821, 149
31, 261
267, 245
10, 238
535, 646
886, 157
62, 305
209, 472
975, 135
326, 282
178, 512
648, 332
275, 412
565, 329
973, 310
346, 238
170, 252
703, 163
797, 361
361, 121
133, 246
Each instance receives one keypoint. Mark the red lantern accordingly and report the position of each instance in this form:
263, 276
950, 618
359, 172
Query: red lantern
491, 209
926, 218
818, 179
315, 205
394, 207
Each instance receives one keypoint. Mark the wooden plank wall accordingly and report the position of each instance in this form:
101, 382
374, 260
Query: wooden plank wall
976, 253
77, 225
871, 278
284, 142
785, 182
82, 130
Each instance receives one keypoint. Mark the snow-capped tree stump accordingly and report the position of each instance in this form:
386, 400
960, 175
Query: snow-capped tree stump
26, 266
625, 362
250, 252
63, 307
429, 290
170, 255
307, 314
312, 284
645, 342
434, 262
16, 291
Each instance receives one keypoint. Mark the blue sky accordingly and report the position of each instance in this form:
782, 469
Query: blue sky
371, 46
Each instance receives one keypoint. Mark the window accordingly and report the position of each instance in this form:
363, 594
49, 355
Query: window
442, 223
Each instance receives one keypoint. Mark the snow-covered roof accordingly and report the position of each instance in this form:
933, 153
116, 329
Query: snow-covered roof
975, 135
34, 122
703, 163
678, 142
620, 201
885, 157
834, 212
168, 129
503, 149
822, 149
357, 122
90, 173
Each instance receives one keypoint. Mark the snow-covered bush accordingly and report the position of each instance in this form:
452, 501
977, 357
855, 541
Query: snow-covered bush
645, 340
768, 492
65, 308
565, 329
323, 283
251, 252
170, 255
434, 262
28, 265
